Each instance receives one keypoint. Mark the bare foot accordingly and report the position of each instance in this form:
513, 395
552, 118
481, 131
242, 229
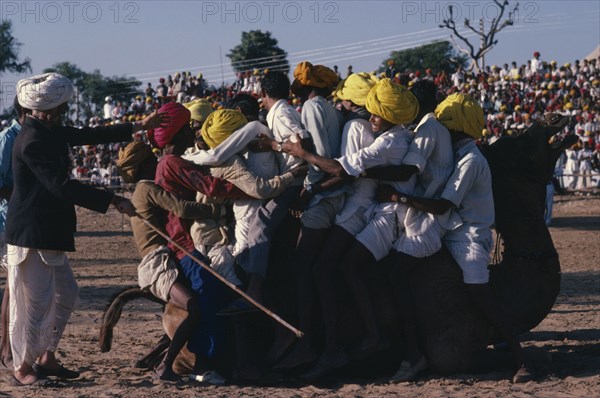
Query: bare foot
25, 378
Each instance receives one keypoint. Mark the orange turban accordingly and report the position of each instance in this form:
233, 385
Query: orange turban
318, 76
131, 157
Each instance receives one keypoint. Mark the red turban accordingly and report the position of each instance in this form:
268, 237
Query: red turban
179, 116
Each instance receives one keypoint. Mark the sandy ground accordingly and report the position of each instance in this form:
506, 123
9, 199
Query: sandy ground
106, 262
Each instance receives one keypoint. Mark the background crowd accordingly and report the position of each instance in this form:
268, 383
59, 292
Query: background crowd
512, 96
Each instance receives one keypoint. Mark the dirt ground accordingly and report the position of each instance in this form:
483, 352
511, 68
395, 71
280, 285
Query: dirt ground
106, 262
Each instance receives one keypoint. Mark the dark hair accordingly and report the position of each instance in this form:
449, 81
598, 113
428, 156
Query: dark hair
276, 85
248, 105
426, 92
18, 109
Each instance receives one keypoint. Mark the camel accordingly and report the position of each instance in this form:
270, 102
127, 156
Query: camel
526, 281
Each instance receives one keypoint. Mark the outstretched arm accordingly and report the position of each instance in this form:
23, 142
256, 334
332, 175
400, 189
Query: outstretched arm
329, 166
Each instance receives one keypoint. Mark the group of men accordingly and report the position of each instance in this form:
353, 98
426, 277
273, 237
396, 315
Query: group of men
391, 171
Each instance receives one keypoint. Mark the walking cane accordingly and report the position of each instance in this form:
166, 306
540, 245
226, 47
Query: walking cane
258, 305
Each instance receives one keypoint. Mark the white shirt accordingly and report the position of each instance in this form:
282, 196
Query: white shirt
322, 122
356, 135
108, 110
236, 144
285, 121
388, 149
470, 190
536, 65
431, 152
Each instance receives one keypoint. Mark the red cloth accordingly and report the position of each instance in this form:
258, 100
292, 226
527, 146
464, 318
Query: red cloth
184, 179
179, 116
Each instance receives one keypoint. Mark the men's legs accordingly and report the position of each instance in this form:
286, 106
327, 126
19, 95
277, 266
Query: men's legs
309, 242
32, 309
255, 259
400, 279
359, 259
328, 262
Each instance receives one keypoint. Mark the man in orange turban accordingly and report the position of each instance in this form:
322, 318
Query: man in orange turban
313, 84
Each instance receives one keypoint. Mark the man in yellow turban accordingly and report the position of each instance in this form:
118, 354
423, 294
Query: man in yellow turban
199, 109
468, 193
392, 102
391, 106
431, 159
356, 87
223, 153
220, 125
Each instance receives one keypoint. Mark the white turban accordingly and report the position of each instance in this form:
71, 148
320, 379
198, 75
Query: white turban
44, 92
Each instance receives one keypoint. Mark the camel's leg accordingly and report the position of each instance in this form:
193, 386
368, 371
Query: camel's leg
5, 351
184, 299
153, 358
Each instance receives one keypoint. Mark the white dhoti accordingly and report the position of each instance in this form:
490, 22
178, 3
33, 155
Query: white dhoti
43, 294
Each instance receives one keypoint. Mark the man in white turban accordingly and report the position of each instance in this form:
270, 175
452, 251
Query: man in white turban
41, 222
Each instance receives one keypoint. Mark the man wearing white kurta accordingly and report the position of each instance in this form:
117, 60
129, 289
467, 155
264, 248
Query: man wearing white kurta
468, 193
284, 121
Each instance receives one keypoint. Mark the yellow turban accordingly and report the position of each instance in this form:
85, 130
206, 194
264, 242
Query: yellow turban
319, 76
459, 112
131, 157
200, 109
392, 102
221, 124
356, 87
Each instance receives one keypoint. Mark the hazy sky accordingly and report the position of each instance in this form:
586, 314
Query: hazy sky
149, 39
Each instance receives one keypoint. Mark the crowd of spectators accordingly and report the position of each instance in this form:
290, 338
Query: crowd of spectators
513, 97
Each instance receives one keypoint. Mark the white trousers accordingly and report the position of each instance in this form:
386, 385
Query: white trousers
43, 294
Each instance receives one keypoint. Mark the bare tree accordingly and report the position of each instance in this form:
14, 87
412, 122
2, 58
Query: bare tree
487, 39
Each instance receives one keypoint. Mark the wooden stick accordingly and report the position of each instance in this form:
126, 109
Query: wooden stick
258, 305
